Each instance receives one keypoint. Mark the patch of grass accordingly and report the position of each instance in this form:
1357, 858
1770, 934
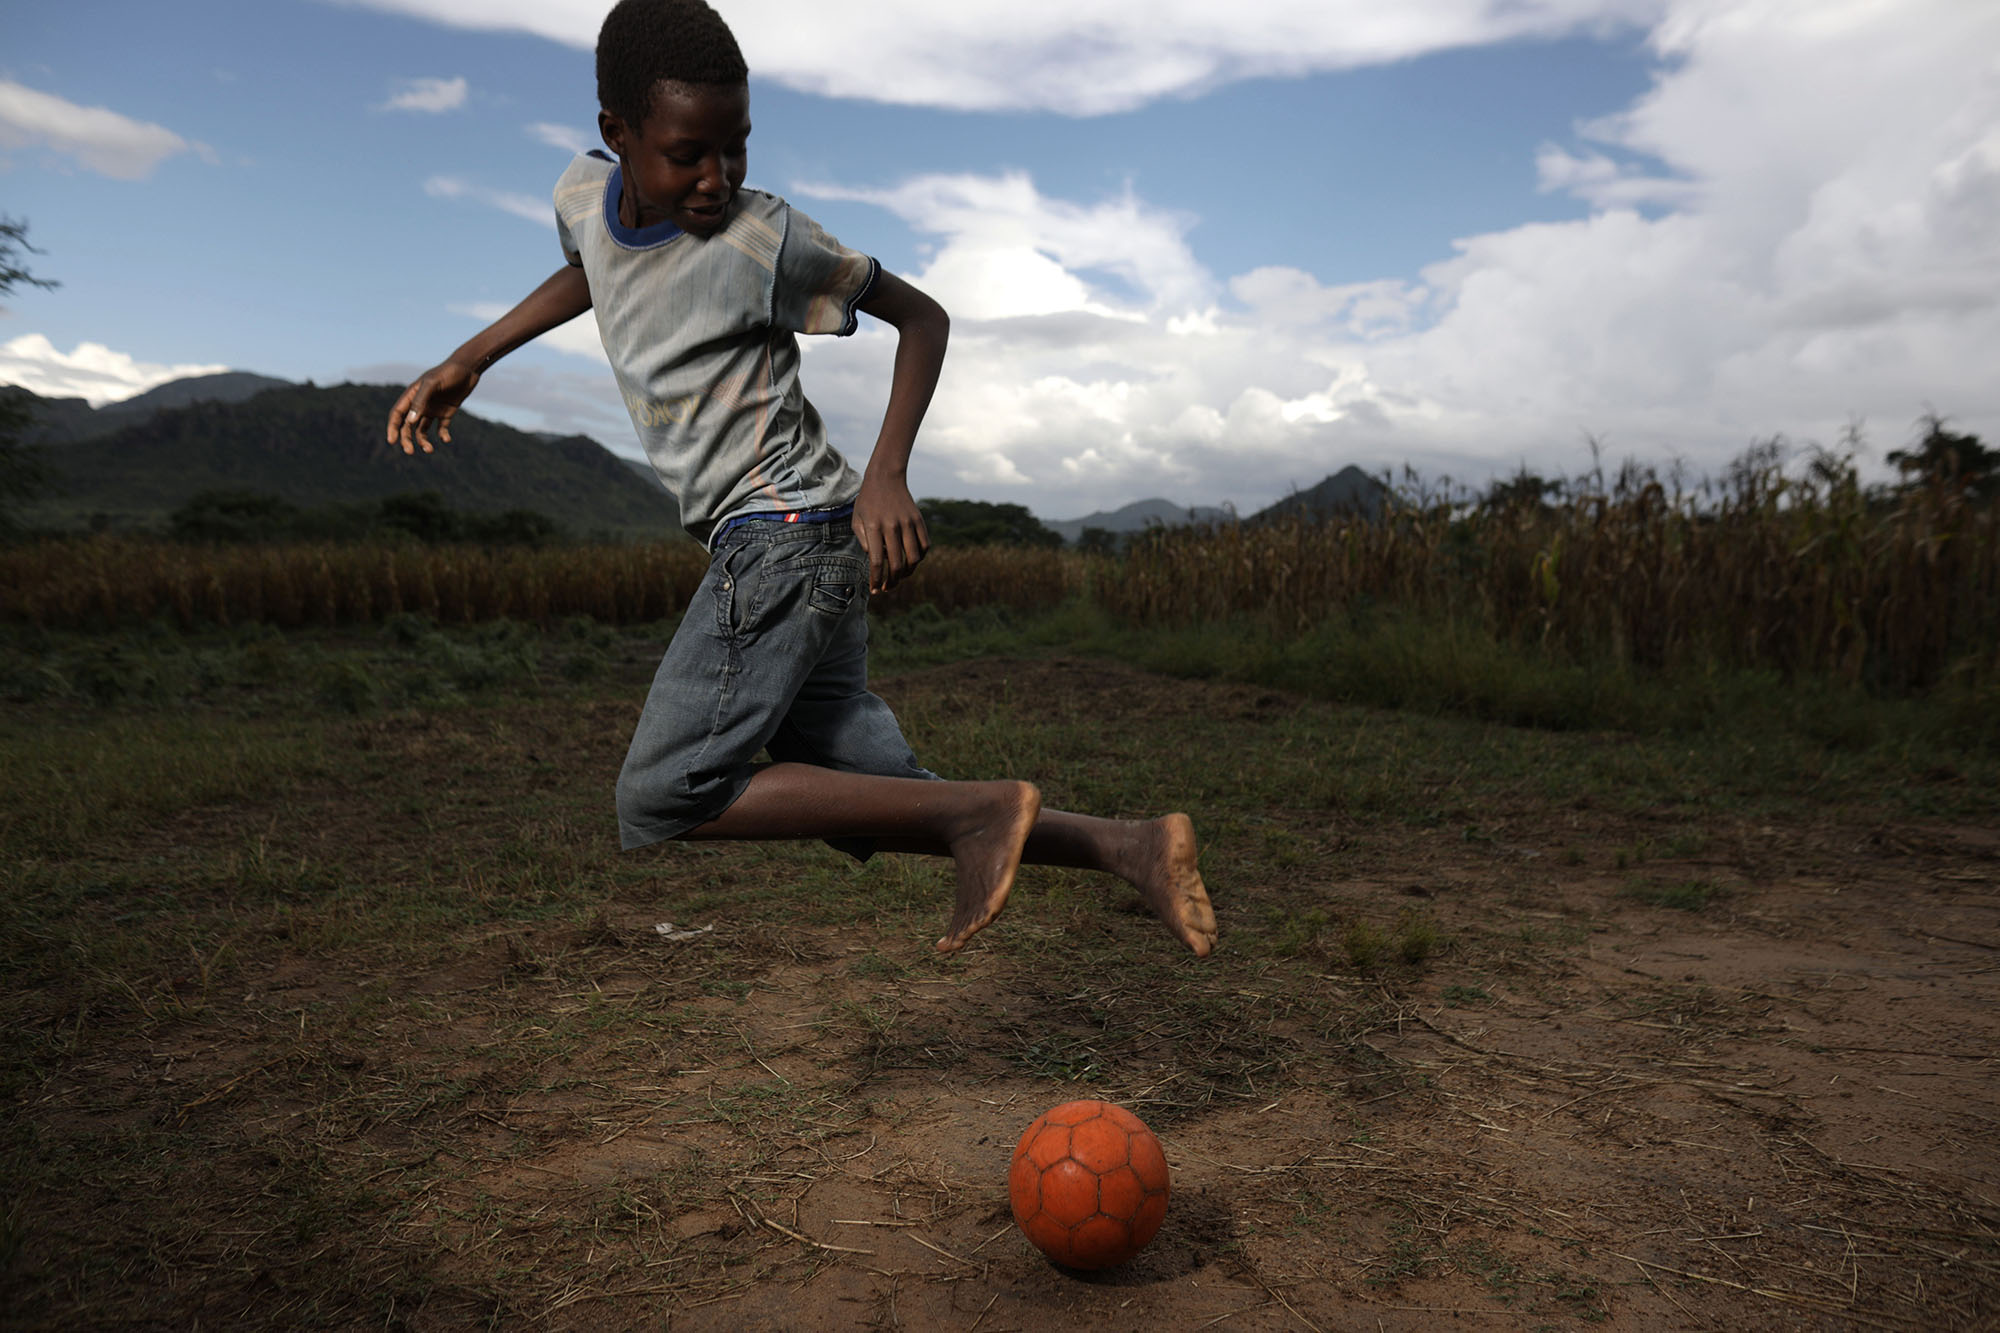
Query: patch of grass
1364, 944
1683, 895
1298, 932
1063, 1059
1406, 1257
1416, 936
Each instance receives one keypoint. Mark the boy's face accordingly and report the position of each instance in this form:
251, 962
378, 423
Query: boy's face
685, 164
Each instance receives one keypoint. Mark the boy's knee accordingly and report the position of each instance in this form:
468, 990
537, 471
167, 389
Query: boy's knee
629, 806
638, 801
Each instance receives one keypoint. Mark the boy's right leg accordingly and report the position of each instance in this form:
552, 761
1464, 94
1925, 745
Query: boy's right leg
982, 826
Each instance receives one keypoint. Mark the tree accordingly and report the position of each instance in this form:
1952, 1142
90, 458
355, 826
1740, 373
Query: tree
978, 523
23, 475
234, 516
1951, 458
1523, 490
423, 515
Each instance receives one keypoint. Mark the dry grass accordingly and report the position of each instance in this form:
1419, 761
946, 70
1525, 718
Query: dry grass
1805, 575
374, 1028
105, 581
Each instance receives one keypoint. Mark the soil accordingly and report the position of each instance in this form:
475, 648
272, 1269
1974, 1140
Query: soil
1773, 1107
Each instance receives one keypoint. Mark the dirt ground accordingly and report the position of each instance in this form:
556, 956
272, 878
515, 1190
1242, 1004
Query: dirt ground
1748, 1079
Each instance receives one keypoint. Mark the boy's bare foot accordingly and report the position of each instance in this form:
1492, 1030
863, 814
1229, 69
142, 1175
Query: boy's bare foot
987, 853
1167, 878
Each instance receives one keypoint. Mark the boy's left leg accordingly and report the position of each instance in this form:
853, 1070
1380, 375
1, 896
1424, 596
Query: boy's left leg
1154, 856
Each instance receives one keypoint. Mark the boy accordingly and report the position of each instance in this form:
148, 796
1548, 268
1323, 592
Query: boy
699, 287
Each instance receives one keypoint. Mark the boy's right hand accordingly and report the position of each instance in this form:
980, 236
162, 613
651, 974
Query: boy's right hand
433, 398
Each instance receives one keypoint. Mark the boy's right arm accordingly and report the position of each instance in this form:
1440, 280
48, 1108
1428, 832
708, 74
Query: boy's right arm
437, 393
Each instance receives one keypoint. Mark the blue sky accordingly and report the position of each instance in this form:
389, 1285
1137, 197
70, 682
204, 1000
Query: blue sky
1204, 252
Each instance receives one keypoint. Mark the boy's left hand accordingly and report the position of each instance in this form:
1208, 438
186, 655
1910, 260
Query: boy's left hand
891, 530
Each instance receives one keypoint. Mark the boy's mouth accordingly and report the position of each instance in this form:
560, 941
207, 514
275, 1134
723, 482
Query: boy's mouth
707, 213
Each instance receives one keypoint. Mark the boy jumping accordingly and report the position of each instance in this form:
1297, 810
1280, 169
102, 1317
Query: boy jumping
699, 286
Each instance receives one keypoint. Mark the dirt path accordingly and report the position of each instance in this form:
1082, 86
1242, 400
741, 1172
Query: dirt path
1744, 1078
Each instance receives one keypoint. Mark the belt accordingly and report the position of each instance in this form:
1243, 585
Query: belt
783, 516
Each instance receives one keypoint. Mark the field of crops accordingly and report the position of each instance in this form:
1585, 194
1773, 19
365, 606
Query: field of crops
1801, 574
101, 582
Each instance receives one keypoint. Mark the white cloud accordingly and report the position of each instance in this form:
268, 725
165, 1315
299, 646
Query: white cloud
1015, 252
1083, 59
565, 137
578, 337
90, 370
1763, 256
99, 138
531, 207
428, 95
1799, 222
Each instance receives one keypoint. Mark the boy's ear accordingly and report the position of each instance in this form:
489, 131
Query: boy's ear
612, 130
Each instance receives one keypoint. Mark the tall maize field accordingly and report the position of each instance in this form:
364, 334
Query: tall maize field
1800, 575
104, 581
1803, 574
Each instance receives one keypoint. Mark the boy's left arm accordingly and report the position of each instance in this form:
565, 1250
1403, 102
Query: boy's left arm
885, 517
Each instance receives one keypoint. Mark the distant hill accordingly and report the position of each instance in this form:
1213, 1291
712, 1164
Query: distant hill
1138, 516
643, 468
67, 420
230, 386
315, 446
1349, 491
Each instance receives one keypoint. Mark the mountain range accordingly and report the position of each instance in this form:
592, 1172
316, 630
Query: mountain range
131, 466
1348, 491
131, 463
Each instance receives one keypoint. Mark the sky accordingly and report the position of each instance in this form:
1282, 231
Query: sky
1209, 252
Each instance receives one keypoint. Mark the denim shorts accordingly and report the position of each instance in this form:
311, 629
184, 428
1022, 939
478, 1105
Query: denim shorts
771, 655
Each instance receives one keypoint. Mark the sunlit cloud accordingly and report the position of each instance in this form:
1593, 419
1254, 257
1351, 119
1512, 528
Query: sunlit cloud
566, 137
527, 206
90, 370
99, 138
1759, 255
578, 337
429, 95
1751, 265
1106, 56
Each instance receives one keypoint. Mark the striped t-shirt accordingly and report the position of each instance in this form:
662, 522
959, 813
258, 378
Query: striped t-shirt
700, 332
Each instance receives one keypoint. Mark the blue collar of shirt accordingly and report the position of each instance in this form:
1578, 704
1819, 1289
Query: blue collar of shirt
632, 238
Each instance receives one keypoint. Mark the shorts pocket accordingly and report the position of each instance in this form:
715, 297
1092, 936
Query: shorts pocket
834, 587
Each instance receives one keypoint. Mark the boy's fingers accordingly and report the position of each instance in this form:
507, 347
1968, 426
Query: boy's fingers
900, 553
906, 553
872, 548
409, 412
396, 413
415, 418
916, 545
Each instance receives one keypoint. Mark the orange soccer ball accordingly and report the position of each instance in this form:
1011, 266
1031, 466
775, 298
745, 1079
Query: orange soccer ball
1088, 1184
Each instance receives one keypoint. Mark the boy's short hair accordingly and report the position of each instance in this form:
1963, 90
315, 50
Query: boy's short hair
646, 42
